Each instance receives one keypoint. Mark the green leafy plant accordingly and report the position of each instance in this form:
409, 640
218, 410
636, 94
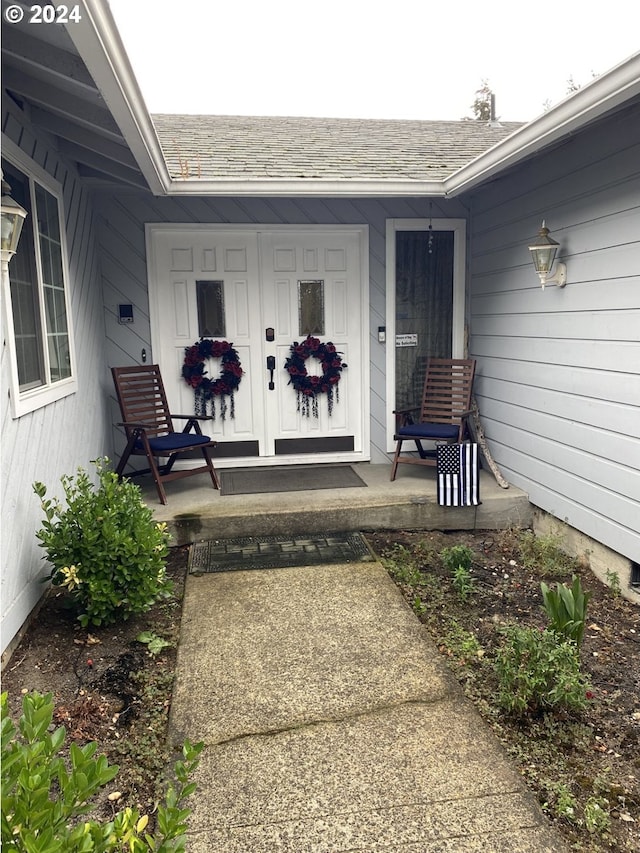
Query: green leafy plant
463, 582
613, 580
153, 642
538, 671
401, 565
456, 556
561, 801
596, 815
105, 547
418, 605
544, 555
45, 797
566, 608
458, 560
462, 644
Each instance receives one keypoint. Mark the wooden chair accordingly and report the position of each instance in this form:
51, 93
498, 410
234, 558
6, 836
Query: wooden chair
442, 416
149, 428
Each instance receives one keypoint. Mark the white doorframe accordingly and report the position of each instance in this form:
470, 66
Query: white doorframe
153, 229
459, 228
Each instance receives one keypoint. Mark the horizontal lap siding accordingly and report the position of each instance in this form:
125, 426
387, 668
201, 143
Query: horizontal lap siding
53, 440
558, 381
124, 263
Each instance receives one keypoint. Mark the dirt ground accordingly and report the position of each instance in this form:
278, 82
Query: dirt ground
584, 767
107, 686
110, 688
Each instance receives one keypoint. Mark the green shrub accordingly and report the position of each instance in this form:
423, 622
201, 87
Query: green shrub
105, 546
457, 555
566, 608
44, 797
538, 671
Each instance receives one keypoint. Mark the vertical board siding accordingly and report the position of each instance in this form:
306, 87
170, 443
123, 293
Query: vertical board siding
122, 252
558, 381
55, 439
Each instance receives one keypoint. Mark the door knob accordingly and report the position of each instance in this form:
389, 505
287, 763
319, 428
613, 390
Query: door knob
271, 366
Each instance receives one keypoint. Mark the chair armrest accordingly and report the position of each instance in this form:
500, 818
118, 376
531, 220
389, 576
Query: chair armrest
133, 425
192, 417
406, 411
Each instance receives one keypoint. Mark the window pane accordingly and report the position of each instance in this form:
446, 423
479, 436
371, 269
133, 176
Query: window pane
53, 285
211, 317
311, 307
24, 291
59, 357
56, 310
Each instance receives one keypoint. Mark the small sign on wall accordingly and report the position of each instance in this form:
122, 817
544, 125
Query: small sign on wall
406, 340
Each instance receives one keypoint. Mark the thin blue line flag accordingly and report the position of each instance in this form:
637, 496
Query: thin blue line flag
458, 475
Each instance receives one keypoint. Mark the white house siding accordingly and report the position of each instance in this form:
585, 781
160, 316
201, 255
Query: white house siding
125, 277
53, 440
559, 370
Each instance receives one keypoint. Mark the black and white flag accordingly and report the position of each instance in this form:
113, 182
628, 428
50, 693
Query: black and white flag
458, 475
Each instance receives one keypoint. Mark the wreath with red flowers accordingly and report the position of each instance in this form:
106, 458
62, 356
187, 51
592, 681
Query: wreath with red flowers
207, 389
308, 388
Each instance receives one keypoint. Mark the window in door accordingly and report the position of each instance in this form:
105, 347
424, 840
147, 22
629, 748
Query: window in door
211, 316
424, 307
311, 307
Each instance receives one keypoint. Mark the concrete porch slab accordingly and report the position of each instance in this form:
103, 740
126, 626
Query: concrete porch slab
195, 511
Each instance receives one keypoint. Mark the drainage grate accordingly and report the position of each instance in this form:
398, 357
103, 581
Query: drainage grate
277, 552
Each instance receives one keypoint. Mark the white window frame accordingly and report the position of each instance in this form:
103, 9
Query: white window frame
459, 228
23, 402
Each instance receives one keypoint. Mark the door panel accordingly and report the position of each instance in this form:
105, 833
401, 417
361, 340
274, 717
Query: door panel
334, 260
181, 259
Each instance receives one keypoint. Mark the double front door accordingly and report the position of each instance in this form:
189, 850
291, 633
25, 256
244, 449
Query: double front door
261, 290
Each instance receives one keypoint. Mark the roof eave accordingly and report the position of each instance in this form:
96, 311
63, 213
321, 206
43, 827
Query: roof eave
600, 96
306, 188
98, 43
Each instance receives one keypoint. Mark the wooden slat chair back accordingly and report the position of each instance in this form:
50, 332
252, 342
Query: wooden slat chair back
148, 425
442, 414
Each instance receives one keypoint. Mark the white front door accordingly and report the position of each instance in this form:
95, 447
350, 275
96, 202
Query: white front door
262, 290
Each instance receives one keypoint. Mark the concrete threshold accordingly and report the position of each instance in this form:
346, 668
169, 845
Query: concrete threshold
196, 512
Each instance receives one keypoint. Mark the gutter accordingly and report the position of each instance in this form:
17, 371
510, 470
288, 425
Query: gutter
98, 42
601, 95
278, 188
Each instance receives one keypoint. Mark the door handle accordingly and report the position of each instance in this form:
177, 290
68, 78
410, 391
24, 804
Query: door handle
271, 366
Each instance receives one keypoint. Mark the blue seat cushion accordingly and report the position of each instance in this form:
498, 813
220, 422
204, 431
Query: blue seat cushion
444, 431
164, 444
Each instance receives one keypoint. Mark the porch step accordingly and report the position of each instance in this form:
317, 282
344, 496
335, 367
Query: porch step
195, 512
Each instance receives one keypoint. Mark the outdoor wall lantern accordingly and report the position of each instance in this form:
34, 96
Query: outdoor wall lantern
543, 252
13, 216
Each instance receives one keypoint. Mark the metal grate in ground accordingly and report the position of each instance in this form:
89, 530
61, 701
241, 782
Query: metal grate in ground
277, 552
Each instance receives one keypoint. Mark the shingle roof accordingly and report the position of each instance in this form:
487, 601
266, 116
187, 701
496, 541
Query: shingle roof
249, 148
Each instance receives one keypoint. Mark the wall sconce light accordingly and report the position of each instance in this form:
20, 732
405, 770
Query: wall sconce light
543, 253
13, 216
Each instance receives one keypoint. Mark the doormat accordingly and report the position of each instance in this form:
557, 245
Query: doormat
297, 478
277, 552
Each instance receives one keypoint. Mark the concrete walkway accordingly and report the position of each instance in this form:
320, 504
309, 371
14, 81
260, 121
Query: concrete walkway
331, 723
